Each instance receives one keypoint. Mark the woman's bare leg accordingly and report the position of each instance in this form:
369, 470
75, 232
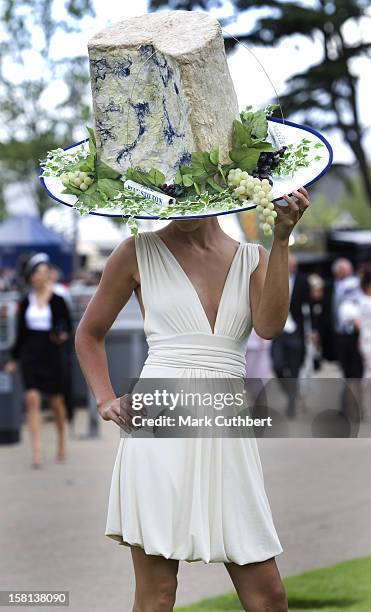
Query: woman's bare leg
33, 419
59, 409
155, 581
259, 586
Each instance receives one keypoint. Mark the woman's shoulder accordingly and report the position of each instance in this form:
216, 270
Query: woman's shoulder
256, 253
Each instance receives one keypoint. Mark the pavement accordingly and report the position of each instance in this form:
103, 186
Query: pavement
52, 520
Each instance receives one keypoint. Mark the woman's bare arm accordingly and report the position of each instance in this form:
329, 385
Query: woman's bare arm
269, 283
113, 292
269, 291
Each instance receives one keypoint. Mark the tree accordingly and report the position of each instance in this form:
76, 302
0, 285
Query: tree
30, 127
326, 90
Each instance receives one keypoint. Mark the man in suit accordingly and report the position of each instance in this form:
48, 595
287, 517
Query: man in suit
343, 286
288, 349
340, 333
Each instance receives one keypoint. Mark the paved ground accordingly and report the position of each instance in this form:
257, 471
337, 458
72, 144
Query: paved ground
52, 521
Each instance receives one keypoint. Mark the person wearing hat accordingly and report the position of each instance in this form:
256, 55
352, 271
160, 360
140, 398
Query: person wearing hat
166, 117
43, 326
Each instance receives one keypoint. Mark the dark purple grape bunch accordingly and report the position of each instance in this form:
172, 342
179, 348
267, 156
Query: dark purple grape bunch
174, 191
266, 163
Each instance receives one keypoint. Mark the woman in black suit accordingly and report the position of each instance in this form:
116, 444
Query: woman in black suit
43, 325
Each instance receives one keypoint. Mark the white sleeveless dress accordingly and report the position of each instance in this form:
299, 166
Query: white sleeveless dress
192, 499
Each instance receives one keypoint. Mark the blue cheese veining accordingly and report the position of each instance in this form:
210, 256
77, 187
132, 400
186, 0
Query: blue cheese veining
145, 78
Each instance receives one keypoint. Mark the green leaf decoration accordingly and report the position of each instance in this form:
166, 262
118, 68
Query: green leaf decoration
187, 180
270, 109
101, 192
133, 226
178, 178
92, 140
255, 123
216, 187
157, 177
107, 187
240, 135
92, 143
259, 126
214, 156
246, 159
139, 177
201, 166
72, 190
105, 171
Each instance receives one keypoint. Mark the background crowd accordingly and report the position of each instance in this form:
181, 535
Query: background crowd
329, 322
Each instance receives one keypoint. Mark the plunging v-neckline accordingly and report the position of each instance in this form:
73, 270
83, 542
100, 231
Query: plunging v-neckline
193, 288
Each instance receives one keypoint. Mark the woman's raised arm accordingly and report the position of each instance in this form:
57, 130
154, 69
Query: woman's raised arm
269, 283
113, 292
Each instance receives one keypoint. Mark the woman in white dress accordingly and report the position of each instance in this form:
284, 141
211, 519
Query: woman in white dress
191, 499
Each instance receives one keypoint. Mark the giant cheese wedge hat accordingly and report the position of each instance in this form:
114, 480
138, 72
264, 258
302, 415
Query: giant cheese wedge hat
169, 140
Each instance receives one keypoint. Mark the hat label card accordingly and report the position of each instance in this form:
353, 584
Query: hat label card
151, 194
276, 135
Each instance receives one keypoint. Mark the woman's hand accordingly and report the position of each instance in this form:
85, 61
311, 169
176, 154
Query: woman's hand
60, 337
10, 367
288, 216
120, 411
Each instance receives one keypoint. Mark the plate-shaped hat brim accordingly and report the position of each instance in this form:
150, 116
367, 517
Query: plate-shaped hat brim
303, 177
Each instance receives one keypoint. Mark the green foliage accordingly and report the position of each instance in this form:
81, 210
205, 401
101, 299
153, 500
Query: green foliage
298, 156
321, 215
342, 587
352, 203
255, 123
29, 127
353, 199
248, 139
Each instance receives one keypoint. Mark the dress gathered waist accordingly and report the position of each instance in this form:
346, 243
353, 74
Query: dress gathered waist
198, 351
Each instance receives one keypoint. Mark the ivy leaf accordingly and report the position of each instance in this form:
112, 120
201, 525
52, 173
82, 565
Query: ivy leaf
133, 226
105, 171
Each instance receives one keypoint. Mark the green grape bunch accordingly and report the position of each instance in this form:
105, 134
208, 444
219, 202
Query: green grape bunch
247, 187
81, 180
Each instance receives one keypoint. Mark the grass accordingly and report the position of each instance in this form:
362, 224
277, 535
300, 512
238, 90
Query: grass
345, 587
